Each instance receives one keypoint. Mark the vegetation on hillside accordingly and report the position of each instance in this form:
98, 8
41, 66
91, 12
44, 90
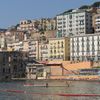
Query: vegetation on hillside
95, 4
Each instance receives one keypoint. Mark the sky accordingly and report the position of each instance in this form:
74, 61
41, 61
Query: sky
12, 11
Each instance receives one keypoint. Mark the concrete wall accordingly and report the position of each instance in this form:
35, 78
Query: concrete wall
66, 68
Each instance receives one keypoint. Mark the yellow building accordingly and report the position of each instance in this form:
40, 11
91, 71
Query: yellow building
59, 48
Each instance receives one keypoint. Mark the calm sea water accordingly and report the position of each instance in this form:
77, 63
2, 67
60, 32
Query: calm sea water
56, 87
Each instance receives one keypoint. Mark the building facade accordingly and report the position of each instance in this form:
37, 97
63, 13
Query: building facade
14, 35
12, 65
47, 24
18, 46
35, 71
43, 51
26, 25
85, 47
37, 25
74, 22
34, 49
59, 48
96, 22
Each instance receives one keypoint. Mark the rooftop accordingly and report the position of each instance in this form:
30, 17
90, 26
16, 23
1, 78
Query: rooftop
72, 11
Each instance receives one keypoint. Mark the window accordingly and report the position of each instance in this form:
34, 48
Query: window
62, 51
50, 51
62, 56
3, 70
62, 44
70, 16
29, 69
54, 51
9, 70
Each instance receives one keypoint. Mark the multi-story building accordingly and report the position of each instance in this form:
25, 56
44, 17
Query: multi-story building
26, 25
18, 46
34, 49
74, 22
47, 24
43, 51
12, 65
96, 22
37, 25
85, 47
14, 44
59, 48
14, 35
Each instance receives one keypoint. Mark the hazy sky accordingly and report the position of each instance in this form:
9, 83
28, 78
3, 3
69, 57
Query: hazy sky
12, 11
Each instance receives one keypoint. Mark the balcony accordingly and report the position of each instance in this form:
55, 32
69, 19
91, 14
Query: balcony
98, 19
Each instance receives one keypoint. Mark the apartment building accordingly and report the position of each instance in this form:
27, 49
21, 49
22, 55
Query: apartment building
85, 47
16, 41
59, 48
31, 46
37, 25
96, 22
14, 46
74, 22
34, 49
18, 46
47, 24
43, 51
14, 35
12, 65
26, 25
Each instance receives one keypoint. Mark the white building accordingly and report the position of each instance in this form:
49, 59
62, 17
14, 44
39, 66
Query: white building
26, 25
74, 22
35, 71
34, 49
15, 46
44, 51
96, 22
85, 47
